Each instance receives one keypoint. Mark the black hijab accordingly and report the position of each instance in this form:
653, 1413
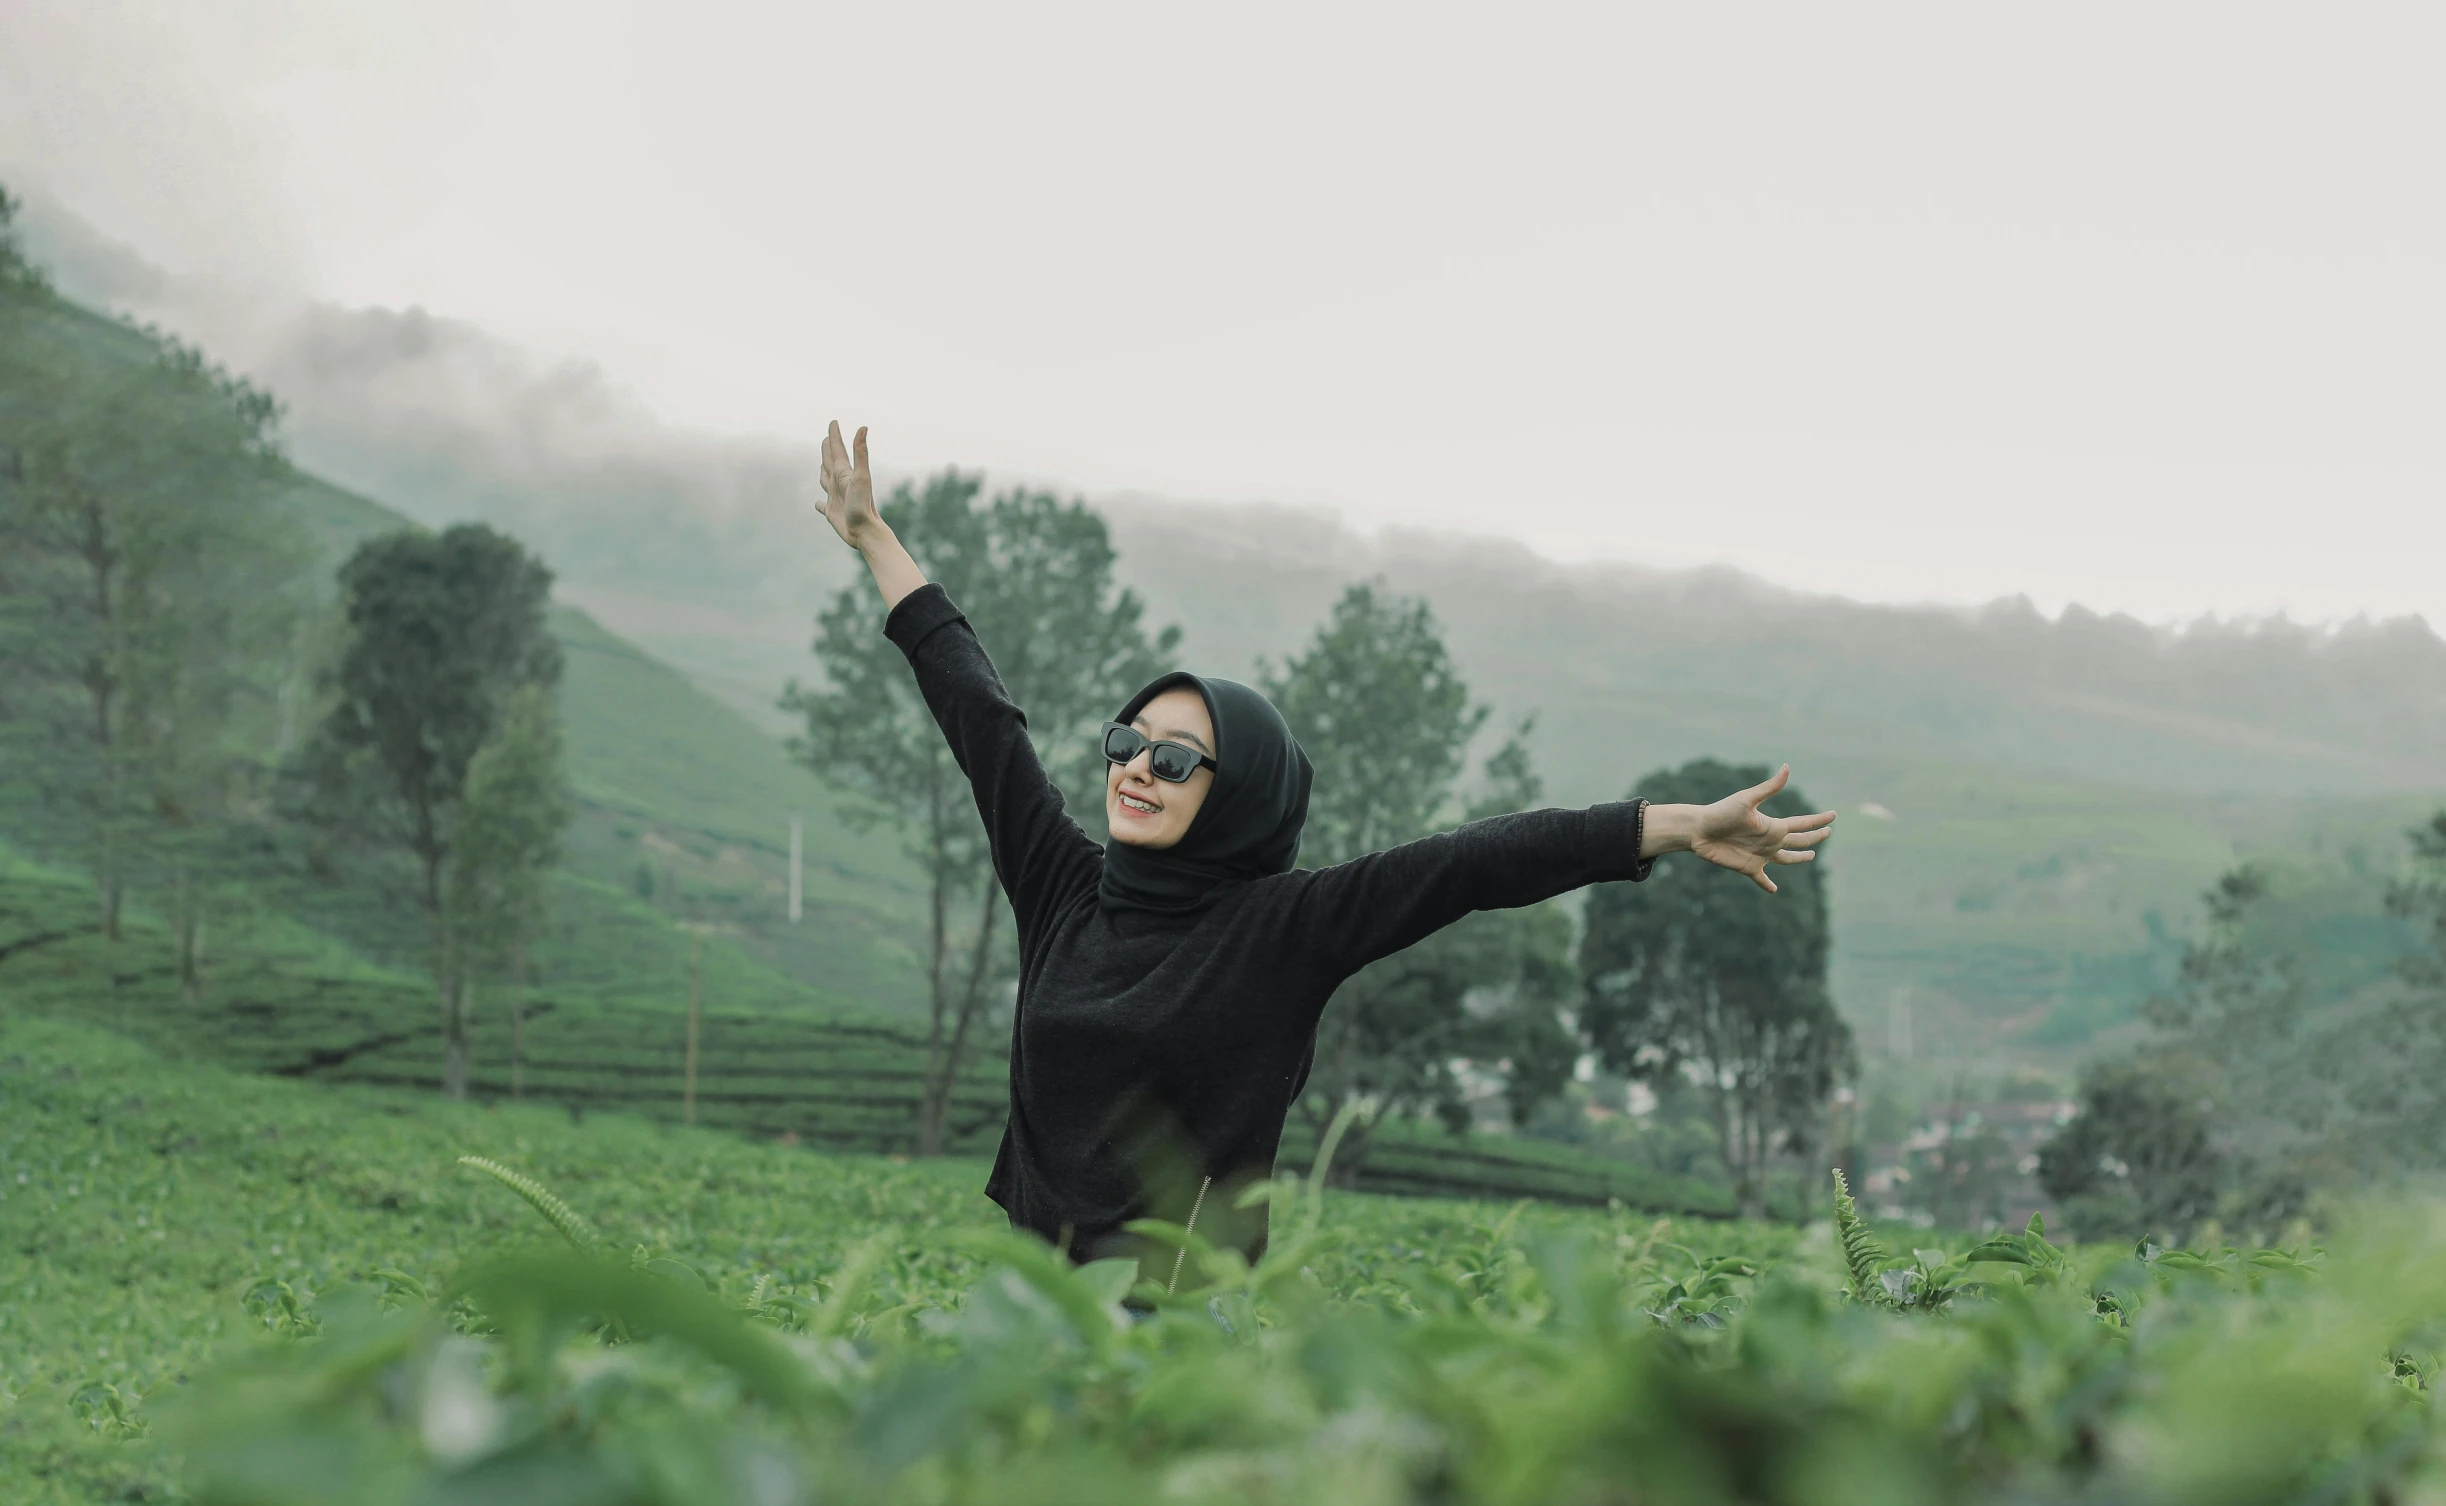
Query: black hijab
1248, 827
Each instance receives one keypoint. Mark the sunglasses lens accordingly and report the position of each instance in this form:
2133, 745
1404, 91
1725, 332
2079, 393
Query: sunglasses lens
1173, 763
1121, 744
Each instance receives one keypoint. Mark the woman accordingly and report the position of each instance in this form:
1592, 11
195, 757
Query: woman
1170, 981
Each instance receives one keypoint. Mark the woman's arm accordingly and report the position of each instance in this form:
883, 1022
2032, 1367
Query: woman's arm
1038, 851
1374, 906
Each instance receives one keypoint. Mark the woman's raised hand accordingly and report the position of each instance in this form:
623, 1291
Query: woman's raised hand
849, 489
849, 506
1733, 833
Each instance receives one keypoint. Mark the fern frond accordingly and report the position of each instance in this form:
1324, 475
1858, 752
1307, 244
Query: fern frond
1862, 1252
539, 1197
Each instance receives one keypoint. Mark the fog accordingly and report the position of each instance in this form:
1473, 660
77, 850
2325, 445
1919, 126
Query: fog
2131, 306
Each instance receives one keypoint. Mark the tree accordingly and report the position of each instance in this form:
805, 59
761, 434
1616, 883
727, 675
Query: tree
2254, 1090
2214, 1116
499, 888
2141, 1157
1034, 575
444, 630
1696, 974
1387, 721
148, 584
2420, 897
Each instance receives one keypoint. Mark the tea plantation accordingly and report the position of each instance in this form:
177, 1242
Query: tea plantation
232, 1288
776, 1058
142, 1201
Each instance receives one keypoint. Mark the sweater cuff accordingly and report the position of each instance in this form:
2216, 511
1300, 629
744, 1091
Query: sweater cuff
920, 612
1613, 834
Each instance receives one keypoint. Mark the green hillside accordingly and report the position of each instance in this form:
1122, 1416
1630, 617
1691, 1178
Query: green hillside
777, 1060
2054, 783
675, 879
146, 1195
2032, 806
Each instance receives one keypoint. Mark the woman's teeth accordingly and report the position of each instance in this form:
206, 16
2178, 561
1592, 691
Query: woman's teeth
1132, 802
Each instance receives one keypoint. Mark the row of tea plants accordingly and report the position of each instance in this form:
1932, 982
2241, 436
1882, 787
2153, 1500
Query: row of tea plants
1543, 1369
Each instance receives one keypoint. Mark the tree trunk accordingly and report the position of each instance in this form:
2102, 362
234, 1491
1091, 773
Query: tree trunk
938, 941
518, 1019
190, 936
458, 1002
1351, 1154
696, 948
943, 1067
1733, 1148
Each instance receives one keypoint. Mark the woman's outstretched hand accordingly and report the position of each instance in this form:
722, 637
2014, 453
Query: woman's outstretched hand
1733, 833
849, 506
849, 488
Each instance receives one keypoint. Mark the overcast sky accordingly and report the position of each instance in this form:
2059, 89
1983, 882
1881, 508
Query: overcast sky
2135, 305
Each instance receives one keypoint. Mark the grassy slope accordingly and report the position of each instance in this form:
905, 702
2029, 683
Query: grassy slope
142, 1198
676, 865
666, 775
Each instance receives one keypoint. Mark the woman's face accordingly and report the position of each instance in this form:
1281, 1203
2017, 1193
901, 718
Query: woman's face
1143, 810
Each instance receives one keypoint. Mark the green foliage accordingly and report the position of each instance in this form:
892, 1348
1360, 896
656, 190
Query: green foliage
442, 630
798, 1328
1384, 715
1033, 574
2420, 896
1863, 1254
563, 1218
18, 276
148, 583
1695, 975
169, 1209
509, 838
446, 648
2258, 1089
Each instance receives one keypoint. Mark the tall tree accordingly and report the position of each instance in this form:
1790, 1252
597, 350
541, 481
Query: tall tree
147, 581
2255, 1087
2419, 896
499, 888
1034, 575
1387, 721
443, 632
1694, 974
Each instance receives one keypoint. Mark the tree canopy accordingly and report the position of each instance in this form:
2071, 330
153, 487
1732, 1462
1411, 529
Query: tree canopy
1034, 574
1696, 974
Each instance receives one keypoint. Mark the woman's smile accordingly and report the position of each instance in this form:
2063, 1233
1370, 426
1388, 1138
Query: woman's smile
1138, 807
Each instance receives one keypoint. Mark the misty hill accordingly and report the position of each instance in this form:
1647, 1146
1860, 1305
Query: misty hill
683, 812
2031, 804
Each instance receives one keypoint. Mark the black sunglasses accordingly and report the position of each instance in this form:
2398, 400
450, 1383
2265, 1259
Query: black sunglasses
1173, 763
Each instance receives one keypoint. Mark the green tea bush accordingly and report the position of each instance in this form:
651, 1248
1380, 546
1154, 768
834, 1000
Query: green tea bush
747, 1324
1525, 1368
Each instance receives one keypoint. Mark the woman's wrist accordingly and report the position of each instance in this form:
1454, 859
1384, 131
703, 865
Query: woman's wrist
895, 571
1667, 828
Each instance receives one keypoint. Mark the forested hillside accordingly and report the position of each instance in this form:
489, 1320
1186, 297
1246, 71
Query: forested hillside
2033, 805
250, 934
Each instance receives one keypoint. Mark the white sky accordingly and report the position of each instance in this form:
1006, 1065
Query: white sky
2136, 305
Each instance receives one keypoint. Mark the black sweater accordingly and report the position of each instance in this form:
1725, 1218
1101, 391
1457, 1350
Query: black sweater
1154, 1057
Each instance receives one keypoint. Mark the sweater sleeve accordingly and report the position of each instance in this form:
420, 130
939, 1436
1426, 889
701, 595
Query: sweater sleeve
1039, 853
1353, 913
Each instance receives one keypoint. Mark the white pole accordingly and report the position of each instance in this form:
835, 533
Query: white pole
798, 844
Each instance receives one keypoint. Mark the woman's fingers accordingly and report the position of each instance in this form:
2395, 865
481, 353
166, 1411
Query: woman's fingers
1762, 881
1789, 856
1811, 823
1758, 793
862, 468
1803, 838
